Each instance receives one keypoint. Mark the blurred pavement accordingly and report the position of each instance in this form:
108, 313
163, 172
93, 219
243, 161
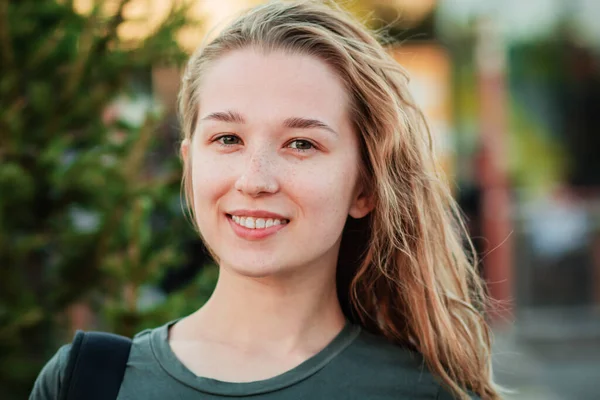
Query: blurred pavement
539, 365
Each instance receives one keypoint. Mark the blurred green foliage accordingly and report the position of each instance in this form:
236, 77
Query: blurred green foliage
84, 219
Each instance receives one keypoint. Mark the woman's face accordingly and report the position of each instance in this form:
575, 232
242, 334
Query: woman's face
275, 163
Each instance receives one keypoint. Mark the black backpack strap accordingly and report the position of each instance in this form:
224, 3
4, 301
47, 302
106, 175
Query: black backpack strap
96, 366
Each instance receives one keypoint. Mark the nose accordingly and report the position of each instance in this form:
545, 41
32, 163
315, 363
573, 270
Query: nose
258, 176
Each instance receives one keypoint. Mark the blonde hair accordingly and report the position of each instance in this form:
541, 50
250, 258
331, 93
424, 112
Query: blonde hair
403, 272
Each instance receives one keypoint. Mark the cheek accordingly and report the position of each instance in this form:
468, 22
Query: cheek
327, 192
211, 178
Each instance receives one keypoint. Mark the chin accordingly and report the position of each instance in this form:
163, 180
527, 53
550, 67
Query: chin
257, 268
256, 272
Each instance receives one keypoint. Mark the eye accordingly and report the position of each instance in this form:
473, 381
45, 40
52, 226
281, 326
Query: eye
228, 140
301, 145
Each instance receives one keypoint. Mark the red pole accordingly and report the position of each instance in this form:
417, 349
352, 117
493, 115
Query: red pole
496, 204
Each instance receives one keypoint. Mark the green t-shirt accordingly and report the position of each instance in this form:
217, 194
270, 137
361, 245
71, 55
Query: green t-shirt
355, 365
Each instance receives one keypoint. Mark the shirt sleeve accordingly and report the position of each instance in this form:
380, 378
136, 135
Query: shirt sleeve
47, 386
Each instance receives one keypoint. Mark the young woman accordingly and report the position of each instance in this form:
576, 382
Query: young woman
310, 175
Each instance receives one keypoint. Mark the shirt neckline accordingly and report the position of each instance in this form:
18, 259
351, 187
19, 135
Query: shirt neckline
175, 368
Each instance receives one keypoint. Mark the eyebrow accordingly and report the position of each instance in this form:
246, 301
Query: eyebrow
225, 116
292, 123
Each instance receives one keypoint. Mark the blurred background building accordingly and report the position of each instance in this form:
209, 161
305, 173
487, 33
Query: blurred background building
512, 92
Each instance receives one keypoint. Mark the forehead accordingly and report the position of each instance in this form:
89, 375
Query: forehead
273, 84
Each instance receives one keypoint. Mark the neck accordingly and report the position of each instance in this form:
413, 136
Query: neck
293, 313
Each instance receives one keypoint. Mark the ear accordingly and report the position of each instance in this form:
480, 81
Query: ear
362, 205
184, 149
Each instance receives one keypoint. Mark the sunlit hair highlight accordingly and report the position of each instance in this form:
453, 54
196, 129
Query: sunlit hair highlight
403, 271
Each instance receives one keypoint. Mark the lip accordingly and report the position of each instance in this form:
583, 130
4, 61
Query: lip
255, 234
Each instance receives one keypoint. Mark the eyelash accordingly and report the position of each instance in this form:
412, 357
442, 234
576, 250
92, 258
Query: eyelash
220, 142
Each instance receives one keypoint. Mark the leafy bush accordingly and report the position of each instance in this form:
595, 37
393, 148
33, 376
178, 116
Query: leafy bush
84, 218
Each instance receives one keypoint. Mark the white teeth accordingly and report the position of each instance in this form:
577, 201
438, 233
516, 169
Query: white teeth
256, 223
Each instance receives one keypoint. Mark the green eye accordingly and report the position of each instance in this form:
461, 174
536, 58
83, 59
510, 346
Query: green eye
301, 145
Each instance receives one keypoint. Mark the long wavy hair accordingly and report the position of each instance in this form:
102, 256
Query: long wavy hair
403, 272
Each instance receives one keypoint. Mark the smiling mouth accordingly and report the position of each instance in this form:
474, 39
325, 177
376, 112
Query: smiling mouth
257, 223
